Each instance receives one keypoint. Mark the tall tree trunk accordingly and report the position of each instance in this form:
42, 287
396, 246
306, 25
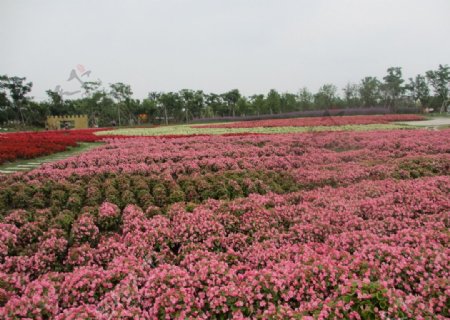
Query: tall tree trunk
118, 112
444, 105
22, 119
165, 115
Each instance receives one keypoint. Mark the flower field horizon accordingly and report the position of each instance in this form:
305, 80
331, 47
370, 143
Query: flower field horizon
32, 144
275, 126
193, 130
319, 121
350, 221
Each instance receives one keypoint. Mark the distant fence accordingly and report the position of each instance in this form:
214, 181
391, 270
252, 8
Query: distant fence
312, 113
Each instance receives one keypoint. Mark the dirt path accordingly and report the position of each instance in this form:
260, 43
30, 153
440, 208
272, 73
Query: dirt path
436, 122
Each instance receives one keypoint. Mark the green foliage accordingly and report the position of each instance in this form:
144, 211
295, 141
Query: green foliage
231, 98
440, 81
369, 91
419, 89
326, 97
368, 300
160, 194
351, 95
421, 167
144, 191
128, 197
18, 90
273, 101
64, 220
176, 195
393, 86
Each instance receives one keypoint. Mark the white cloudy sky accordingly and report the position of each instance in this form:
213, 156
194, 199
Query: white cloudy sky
217, 45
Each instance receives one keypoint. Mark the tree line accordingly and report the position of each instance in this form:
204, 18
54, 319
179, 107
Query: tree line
115, 103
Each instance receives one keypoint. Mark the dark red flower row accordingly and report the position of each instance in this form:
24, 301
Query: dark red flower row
26, 145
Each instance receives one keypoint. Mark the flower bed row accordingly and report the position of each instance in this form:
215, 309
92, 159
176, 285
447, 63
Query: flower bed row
318, 121
144, 190
306, 154
189, 131
26, 145
370, 250
147, 190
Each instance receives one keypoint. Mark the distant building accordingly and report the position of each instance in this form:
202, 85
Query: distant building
67, 122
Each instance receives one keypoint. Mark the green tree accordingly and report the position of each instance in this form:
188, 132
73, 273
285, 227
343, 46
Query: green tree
91, 102
198, 103
5, 106
215, 104
273, 101
231, 98
193, 103
243, 106
326, 97
56, 104
155, 98
351, 95
38, 112
439, 80
171, 105
187, 98
392, 86
305, 99
418, 87
90, 87
18, 90
55, 97
148, 107
288, 102
369, 91
257, 104
121, 94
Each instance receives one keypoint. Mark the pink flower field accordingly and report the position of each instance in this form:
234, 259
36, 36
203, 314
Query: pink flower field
328, 225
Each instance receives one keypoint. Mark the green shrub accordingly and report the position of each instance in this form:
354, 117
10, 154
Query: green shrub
160, 194
128, 197
64, 220
368, 300
176, 195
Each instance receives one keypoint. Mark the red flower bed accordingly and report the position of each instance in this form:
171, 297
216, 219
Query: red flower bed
26, 145
318, 121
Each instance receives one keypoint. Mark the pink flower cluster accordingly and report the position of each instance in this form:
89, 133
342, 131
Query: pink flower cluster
8, 238
312, 158
364, 237
84, 229
108, 215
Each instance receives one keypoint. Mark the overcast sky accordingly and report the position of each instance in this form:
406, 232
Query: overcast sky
217, 45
